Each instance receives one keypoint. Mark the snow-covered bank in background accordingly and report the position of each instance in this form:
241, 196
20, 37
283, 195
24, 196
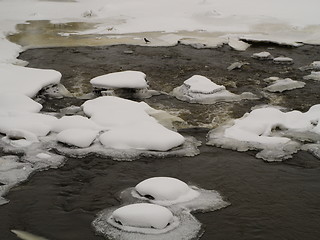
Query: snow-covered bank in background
277, 134
284, 21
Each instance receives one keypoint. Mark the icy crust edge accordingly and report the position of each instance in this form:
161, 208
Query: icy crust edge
188, 149
185, 226
35, 157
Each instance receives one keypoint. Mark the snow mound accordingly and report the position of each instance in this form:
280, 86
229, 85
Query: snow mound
312, 66
281, 85
142, 136
183, 227
130, 126
125, 79
283, 60
12, 172
77, 137
17, 102
262, 56
26, 81
265, 129
143, 215
165, 191
76, 121
313, 76
36, 123
199, 89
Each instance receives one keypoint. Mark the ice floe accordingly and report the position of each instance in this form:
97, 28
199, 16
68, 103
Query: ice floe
283, 60
176, 220
262, 56
269, 130
280, 85
237, 65
125, 79
313, 76
199, 89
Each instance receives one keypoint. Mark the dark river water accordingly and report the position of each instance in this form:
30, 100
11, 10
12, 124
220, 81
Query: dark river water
268, 200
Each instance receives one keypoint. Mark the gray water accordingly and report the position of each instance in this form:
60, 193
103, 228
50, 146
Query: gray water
268, 200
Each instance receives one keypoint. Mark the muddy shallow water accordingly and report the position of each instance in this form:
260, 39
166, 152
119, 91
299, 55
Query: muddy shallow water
268, 200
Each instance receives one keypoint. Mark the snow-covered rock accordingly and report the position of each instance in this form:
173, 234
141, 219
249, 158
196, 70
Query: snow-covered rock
165, 190
313, 66
36, 123
77, 137
281, 85
17, 102
283, 60
143, 215
26, 81
262, 56
125, 79
264, 129
199, 89
313, 76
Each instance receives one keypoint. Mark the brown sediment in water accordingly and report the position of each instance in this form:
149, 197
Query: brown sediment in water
268, 200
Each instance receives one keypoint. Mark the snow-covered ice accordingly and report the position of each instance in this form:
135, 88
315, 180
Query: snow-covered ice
286, 84
199, 89
313, 76
262, 56
283, 60
11, 102
125, 79
265, 129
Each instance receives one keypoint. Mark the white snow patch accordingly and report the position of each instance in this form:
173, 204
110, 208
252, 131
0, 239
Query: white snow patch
262, 56
17, 102
125, 79
36, 123
143, 136
26, 81
77, 137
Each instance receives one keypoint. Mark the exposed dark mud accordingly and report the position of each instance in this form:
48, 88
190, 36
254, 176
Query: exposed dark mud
268, 200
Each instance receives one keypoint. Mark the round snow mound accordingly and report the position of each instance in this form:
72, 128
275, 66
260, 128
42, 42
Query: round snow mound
164, 191
141, 215
125, 79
